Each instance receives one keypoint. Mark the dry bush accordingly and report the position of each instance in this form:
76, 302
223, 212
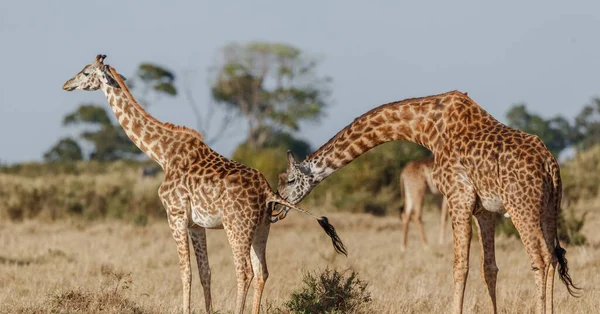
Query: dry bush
330, 291
120, 193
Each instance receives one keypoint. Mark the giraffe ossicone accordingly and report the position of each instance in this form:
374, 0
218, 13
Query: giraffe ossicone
201, 190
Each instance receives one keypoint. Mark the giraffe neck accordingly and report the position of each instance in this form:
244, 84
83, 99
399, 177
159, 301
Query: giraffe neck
151, 136
415, 120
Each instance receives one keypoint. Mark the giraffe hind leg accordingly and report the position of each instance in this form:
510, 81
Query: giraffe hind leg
259, 263
443, 219
419, 221
405, 221
240, 243
535, 245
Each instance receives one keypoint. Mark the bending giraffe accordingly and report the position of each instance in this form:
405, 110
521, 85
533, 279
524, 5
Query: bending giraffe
201, 190
481, 166
415, 181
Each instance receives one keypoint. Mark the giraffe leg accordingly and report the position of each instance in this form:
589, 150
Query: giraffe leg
419, 220
405, 221
550, 285
443, 219
486, 226
532, 239
259, 263
179, 228
549, 226
240, 242
198, 236
461, 209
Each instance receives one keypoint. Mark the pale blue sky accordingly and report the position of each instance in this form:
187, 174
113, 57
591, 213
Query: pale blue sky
544, 53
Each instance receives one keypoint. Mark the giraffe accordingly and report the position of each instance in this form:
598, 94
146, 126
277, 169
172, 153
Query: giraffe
415, 181
481, 166
201, 190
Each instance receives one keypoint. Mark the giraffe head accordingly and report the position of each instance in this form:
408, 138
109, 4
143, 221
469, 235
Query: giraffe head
92, 77
296, 182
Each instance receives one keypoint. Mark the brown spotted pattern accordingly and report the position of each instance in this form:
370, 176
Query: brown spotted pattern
481, 166
201, 189
415, 181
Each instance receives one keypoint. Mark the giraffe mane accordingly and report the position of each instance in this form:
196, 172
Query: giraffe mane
167, 125
372, 112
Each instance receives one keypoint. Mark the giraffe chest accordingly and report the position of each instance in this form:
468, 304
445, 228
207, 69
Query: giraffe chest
493, 203
206, 218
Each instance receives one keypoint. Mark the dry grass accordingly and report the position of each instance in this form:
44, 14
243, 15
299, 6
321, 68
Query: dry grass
77, 267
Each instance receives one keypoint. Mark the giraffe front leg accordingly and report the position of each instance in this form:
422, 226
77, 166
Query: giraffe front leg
461, 208
259, 264
179, 228
419, 221
199, 242
486, 226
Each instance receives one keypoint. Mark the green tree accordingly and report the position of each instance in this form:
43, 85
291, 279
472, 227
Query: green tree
152, 80
109, 140
66, 150
557, 133
273, 86
587, 124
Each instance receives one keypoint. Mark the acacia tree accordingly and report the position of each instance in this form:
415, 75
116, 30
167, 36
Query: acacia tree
109, 140
273, 86
66, 150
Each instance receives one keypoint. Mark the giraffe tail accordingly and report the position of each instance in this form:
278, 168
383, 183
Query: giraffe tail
338, 245
559, 252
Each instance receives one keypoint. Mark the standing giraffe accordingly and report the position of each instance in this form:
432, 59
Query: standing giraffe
415, 181
201, 190
481, 166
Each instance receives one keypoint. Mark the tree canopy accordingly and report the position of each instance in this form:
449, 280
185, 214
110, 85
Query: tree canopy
273, 86
557, 133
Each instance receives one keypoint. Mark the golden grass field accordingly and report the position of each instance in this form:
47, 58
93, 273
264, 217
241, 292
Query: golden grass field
114, 267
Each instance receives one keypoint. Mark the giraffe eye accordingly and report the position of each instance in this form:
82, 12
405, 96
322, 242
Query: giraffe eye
291, 180
85, 73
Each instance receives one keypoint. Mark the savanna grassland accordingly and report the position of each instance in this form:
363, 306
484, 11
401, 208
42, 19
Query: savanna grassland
73, 266
92, 238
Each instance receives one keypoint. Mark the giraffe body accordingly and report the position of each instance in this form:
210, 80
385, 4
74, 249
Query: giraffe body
201, 190
415, 181
481, 166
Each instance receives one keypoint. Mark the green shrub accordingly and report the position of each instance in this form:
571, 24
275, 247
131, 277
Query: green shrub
330, 292
580, 175
569, 228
